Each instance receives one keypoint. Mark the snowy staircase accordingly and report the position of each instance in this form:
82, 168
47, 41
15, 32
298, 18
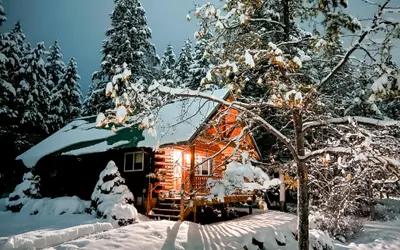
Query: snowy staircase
167, 209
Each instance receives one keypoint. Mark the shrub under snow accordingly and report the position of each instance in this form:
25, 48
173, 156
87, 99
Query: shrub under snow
3, 204
111, 198
24, 192
320, 240
57, 206
339, 227
387, 209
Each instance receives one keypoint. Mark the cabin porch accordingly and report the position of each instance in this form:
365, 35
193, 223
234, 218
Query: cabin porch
181, 208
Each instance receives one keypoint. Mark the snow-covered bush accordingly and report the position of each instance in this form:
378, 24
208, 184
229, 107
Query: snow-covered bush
3, 204
387, 209
320, 240
243, 177
24, 192
57, 206
111, 198
339, 227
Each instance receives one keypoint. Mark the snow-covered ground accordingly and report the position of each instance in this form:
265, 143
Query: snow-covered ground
83, 231
34, 231
267, 227
377, 235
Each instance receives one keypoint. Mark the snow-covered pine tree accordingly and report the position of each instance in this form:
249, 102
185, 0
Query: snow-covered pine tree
152, 60
168, 62
55, 65
96, 101
12, 49
201, 64
23, 192
111, 198
55, 68
3, 17
66, 102
128, 41
33, 95
182, 75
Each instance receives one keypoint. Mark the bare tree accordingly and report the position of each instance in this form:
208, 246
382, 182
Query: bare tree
257, 44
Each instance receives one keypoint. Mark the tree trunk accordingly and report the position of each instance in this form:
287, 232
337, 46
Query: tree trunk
286, 19
282, 190
302, 192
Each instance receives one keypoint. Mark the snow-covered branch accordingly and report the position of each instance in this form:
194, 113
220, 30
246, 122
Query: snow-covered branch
235, 105
351, 119
375, 24
329, 150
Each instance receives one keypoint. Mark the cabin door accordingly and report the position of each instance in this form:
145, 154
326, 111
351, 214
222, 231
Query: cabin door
178, 174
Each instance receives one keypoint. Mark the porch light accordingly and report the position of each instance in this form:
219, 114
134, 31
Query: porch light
177, 157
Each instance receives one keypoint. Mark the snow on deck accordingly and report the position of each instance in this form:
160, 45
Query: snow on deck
233, 234
177, 122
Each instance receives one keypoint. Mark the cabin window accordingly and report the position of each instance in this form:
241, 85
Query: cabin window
206, 167
134, 162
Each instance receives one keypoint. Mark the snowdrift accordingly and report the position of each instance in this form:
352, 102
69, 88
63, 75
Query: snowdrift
52, 238
3, 204
271, 230
57, 206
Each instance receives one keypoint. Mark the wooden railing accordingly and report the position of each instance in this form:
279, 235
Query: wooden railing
200, 183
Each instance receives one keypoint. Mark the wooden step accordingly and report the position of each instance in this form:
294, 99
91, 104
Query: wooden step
166, 210
167, 204
164, 216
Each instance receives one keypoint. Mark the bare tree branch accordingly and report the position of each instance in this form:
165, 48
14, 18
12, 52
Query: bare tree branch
349, 119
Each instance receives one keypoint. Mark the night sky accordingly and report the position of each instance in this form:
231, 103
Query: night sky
79, 25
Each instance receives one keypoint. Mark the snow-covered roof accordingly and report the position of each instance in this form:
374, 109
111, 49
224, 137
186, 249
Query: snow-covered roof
177, 122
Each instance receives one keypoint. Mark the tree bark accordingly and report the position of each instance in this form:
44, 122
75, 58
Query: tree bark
286, 19
302, 192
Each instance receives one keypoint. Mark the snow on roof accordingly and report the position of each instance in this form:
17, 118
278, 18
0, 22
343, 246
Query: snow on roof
75, 132
177, 122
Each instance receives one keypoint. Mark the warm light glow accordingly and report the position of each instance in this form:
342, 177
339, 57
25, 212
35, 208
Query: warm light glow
187, 158
177, 157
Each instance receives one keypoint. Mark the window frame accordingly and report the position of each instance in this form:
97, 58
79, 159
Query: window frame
133, 162
210, 163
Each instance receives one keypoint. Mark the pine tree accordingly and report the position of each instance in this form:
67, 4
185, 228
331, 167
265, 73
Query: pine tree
168, 62
152, 60
110, 195
55, 68
201, 64
33, 95
12, 49
3, 17
23, 192
66, 102
182, 75
128, 41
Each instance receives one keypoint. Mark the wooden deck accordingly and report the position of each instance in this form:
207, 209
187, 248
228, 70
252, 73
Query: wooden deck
180, 206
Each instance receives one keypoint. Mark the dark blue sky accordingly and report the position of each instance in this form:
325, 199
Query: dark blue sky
79, 25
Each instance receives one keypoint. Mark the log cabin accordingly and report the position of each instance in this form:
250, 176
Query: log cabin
167, 173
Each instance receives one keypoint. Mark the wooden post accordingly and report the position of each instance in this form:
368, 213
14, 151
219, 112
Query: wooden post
195, 213
282, 191
182, 214
149, 198
192, 171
